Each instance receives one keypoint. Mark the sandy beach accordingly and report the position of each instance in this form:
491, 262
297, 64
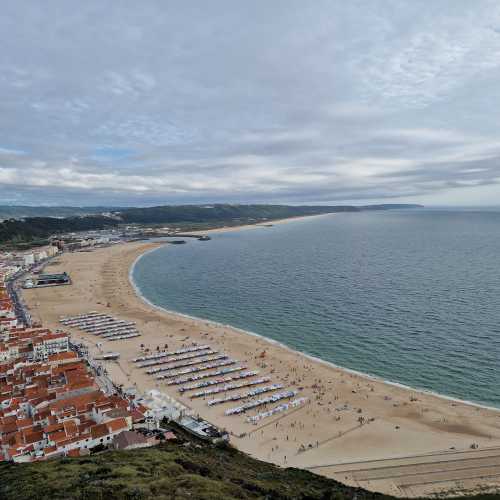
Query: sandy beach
349, 417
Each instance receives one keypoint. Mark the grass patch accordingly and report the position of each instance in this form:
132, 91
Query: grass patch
171, 471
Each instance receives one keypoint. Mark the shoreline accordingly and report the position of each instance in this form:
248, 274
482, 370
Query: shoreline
368, 376
263, 224
398, 421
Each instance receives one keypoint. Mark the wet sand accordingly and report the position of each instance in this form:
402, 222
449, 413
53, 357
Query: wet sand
349, 417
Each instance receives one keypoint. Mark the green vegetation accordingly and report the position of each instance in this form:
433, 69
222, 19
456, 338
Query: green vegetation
19, 232
164, 472
30, 230
195, 471
206, 213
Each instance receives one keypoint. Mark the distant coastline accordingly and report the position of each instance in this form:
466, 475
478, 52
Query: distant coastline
20, 230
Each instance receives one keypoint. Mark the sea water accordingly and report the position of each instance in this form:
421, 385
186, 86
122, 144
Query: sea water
412, 296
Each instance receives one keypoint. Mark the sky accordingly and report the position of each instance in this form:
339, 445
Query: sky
324, 102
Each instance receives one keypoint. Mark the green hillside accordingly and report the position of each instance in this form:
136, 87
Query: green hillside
32, 229
168, 471
223, 212
182, 471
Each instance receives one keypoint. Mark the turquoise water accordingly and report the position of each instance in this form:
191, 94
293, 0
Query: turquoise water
410, 296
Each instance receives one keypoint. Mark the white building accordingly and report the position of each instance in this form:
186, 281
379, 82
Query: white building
53, 343
40, 256
52, 250
9, 352
29, 259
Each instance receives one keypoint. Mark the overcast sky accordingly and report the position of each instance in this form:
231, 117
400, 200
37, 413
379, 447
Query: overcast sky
147, 102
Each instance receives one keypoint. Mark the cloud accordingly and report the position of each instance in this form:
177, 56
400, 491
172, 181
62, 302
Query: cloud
132, 84
267, 101
436, 57
11, 152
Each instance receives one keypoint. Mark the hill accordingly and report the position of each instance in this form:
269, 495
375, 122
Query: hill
22, 211
33, 229
30, 229
168, 471
224, 212
196, 471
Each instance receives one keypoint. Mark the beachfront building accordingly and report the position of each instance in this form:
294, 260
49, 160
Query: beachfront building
62, 358
41, 256
52, 279
160, 406
52, 343
31, 343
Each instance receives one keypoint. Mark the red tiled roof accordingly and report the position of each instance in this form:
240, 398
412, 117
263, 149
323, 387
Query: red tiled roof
8, 428
57, 436
70, 428
24, 422
53, 428
42, 386
77, 401
117, 424
137, 416
33, 437
62, 356
54, 336
8, 420
98, 431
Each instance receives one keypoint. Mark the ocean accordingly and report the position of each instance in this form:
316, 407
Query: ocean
412, 297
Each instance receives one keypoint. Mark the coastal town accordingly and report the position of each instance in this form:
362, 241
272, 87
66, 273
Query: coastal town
86, 365
249, 250
56, 400
51, 404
